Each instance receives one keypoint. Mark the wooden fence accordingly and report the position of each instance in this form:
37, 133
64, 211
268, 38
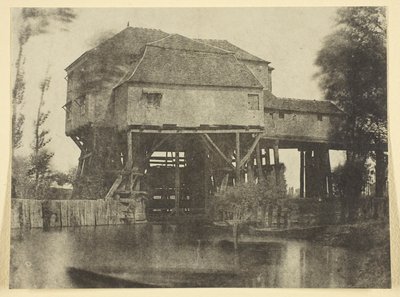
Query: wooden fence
29, 213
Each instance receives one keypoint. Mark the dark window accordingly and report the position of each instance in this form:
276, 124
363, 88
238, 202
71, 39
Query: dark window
253, 102
319, 117
281, 115
152, 99
272, 115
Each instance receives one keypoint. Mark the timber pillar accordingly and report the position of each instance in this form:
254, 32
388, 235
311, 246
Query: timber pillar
302, 174
276, 162
237, 152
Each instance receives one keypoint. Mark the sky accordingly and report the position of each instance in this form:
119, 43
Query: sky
287, 37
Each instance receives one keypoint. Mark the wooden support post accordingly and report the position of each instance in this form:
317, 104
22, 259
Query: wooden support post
308, 168
238, 179
250, 170
206, 177
259, 165
318, 173
301, 174
267, 157
329, 173
276, 161
130, 153
177, 176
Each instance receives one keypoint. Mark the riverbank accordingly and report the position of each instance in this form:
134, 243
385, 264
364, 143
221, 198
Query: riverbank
371, 240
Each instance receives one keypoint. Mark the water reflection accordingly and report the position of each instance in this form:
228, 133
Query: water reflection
170, 256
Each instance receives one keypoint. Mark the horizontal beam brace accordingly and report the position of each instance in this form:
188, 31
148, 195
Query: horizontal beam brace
202, 131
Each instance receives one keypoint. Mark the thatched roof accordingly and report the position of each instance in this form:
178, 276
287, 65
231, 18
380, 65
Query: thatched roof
271, 102
189, 66
129, 41
226, 45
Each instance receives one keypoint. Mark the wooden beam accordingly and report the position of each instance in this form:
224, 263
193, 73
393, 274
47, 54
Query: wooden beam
308, 173
238, 179
267, 157
210, 143
276, 162
177, 176
301, 174
276, 153
130, 152
114, 187
250, 151
258, 160
158, 144
77, 142
329, 173
85, 156
196, 131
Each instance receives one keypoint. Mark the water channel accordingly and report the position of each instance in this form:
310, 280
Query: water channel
162, 255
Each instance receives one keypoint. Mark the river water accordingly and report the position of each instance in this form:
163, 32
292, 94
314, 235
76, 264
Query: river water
171, 256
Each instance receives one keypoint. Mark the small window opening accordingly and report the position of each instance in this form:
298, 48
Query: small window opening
319, 117
152, 99
82, 103
281, 115
253, 102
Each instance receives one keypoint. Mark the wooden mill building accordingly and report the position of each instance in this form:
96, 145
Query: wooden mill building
176, 119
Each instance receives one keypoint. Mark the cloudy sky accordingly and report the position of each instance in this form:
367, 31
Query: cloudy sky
287, 37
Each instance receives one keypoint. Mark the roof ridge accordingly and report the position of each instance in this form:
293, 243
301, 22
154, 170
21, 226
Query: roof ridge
301, 99
190, 50
169, 35
154, 43
212, 46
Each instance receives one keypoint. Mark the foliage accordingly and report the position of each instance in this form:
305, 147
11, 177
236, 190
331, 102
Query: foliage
35, 21
243, 199
40, 156
349, 177
352, 73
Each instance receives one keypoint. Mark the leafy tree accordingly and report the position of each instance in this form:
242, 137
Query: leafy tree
40, 157
35, 21
242, 200
352, 74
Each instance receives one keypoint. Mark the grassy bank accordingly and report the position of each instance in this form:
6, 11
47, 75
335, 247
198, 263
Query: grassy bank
371, 242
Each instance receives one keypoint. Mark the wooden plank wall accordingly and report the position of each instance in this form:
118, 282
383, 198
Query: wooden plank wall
27, 213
